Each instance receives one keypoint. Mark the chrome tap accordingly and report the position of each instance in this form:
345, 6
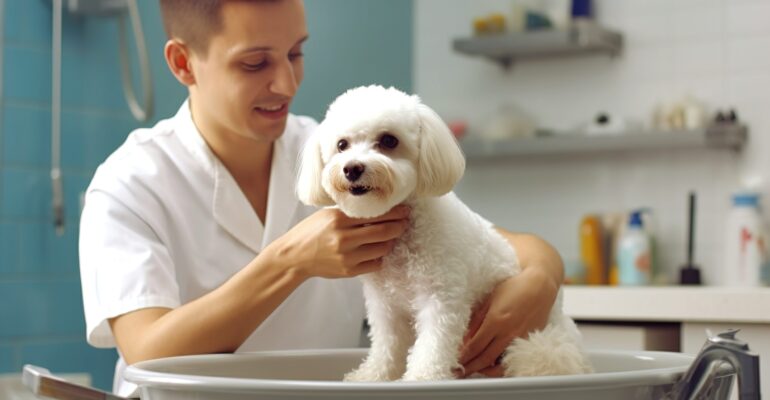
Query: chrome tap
720, 349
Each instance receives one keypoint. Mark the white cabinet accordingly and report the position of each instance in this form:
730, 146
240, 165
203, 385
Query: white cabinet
629, 336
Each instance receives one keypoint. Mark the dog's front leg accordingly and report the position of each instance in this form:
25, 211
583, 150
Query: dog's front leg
441, 324
391, 335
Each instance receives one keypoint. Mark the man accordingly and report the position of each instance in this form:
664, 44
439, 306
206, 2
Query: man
193, 242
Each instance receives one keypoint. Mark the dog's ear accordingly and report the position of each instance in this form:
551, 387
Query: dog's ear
441, 162
309, 188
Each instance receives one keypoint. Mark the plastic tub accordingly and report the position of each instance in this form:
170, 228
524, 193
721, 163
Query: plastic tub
316, 374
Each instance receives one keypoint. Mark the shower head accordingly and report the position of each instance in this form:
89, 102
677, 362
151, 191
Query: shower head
122, 10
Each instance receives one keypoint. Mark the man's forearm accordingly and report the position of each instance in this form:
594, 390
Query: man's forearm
217, 322
533, 251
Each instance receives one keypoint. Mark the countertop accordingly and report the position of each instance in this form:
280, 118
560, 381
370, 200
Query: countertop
668, 303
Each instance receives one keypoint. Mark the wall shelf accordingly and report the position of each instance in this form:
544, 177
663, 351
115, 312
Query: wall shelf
724, 136
579, 38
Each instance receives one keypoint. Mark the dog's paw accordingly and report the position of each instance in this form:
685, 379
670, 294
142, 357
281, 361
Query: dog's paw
365, 374
432, 374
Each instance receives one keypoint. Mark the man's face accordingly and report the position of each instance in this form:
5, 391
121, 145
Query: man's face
246, 82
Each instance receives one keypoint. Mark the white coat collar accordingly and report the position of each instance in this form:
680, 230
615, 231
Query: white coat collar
230, 207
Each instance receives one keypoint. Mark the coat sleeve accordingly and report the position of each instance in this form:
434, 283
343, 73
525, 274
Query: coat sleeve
124, 266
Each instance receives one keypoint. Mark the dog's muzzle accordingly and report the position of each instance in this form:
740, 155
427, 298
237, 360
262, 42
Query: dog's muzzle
359, 190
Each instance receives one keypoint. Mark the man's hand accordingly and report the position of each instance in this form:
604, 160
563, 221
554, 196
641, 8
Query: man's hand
517, 306
329, 244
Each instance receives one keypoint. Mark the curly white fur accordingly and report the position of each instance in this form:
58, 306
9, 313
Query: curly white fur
419, 305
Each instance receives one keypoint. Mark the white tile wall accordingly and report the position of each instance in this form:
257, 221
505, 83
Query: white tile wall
715, 50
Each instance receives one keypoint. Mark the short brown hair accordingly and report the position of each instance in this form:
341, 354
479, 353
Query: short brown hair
192, 21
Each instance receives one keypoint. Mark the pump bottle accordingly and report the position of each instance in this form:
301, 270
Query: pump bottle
634, 253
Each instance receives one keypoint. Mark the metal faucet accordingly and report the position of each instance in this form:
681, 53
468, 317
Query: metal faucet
719, 349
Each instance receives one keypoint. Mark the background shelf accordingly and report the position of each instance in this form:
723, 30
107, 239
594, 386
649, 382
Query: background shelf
727, 136
580, 38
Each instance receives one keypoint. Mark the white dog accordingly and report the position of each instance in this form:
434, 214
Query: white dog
378, 148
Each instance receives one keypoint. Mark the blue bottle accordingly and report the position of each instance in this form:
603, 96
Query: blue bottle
634, 254
582, 9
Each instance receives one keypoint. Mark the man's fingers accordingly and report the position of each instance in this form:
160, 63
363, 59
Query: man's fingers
476, 345
373, 251
476, 319
367, 267
487, 357
381, 232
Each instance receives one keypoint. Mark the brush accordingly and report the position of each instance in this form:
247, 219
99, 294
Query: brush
690, 274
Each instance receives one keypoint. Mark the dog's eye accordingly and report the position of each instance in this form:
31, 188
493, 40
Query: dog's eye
388, 141
342, 145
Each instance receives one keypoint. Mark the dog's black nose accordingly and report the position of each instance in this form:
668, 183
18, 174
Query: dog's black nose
353, 171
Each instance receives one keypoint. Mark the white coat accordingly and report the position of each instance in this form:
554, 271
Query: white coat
164, 223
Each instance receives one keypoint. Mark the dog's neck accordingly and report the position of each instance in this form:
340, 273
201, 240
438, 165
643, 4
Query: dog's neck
415, 202
420, 206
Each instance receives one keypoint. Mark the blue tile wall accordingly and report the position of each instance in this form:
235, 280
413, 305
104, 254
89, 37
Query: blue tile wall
9, 249
41, 315
354, 43
26, 193
90, 65
6, 359
27, 22
26, 135
88, 138
43, 252
26, 74
41, 307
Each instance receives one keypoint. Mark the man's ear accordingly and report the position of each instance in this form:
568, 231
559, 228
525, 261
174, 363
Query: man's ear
178, 60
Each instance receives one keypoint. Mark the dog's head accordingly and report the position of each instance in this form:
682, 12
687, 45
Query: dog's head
375, 148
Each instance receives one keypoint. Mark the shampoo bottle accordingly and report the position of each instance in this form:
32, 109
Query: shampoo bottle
634, 253
592, 250
745, 251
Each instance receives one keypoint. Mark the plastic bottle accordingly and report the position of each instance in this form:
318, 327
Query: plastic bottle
592, 250
657, 276
745, 252
614, 224
634, 253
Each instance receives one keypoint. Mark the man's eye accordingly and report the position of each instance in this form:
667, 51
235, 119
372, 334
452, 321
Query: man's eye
388, 141
342, 145
295, 56
254, 67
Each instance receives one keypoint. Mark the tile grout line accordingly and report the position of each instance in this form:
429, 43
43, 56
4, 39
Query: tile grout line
16, 349
2, 96
86, 110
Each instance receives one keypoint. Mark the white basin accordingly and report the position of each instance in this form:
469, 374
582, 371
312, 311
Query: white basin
316, 374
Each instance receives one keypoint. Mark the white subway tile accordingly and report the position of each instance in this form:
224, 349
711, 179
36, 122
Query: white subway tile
701, 57
698, 22
747, 18
748, 54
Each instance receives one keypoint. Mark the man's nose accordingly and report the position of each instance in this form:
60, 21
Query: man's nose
285, 80
353, 171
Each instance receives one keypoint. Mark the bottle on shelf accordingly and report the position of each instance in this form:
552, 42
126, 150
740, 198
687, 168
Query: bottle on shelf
634, 253
592, 250
745, 245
